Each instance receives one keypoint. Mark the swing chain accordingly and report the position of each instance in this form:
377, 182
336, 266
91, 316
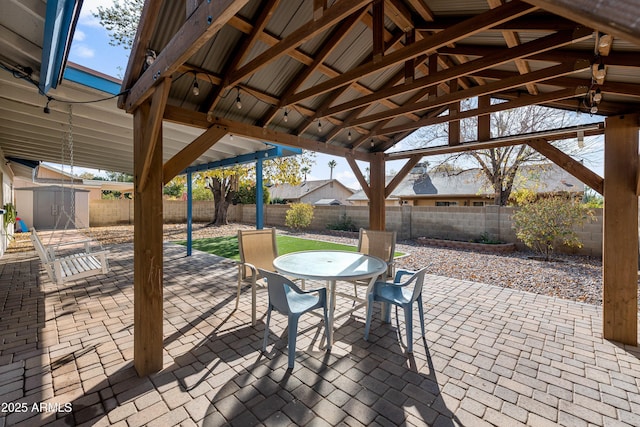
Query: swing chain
70, 144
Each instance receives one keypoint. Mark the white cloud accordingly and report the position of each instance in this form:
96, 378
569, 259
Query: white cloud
89, 7
83, 51
79, 36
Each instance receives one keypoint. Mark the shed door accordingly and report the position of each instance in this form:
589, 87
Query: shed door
52, 210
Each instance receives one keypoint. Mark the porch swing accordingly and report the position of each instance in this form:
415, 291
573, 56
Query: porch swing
70, 259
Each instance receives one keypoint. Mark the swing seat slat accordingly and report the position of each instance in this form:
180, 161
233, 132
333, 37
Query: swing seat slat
70, 267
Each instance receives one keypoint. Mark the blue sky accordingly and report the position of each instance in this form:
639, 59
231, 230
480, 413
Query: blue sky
91, 49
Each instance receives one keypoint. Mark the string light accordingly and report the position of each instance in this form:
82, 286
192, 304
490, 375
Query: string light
196, 88
349, 135
286, 116
319, 126
597, 96
238, 102
599, 72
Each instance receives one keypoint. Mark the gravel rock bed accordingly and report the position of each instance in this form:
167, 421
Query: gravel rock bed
572, 277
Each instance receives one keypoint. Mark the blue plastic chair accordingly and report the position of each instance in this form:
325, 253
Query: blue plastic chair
401, 295
288, 299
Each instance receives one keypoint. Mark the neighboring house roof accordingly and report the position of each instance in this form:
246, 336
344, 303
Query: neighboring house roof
296, 192
328, 202
547, 178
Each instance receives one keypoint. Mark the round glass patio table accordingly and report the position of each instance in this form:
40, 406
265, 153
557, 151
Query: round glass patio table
330, 266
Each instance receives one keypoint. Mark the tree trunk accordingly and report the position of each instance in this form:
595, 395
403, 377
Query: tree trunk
223, 189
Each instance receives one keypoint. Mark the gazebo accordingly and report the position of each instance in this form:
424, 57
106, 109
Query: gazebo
353, 77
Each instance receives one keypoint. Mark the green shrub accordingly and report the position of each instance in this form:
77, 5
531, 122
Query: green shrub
344, 224
549, 222
246, 195
299, 215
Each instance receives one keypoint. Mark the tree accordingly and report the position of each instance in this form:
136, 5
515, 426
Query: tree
332, 164
121, 21
548, 222
500, 166
305, 170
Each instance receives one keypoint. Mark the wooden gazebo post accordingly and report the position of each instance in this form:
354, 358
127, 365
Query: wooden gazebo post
377, 218
620, 234
148, 221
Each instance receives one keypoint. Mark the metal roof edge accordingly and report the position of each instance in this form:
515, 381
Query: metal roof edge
59, 24
92, 79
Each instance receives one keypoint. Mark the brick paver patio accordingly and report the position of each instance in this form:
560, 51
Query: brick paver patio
492, 356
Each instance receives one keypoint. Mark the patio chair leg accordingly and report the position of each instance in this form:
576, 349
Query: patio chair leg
408, 319
239, 286
293, 334
266, 330
421, 312
367, 324
253, 301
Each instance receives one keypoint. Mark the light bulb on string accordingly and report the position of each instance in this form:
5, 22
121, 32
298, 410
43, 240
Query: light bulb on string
238, 102
349, 136
319, 126
196, 88
597, 96
286, 116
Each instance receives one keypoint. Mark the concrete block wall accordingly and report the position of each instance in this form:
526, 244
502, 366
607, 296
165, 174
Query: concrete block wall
410, 222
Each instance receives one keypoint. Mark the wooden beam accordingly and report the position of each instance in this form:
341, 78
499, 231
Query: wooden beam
330, 99
148, 18
356, 171
454, 111
191, 152
147, 250
329, 46
154, 127
421, 7
610, 16
513, 39
484, 120
266, 11
472, 26
554, 134
498, 58
569, 164
201, 26
336, 13
408, 166
489, 88
410, 64
483, 112
398, 13
270, 135
319, 6
538, 22
378, 30
623, 59
377, 208
620, 242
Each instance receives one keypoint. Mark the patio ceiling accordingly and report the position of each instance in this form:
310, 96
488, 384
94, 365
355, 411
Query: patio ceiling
102, 133
353, 77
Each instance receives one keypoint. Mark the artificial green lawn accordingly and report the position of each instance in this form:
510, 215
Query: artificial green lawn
227, 246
